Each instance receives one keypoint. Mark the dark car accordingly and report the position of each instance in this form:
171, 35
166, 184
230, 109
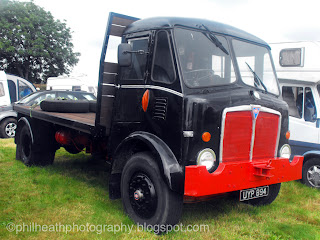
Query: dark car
37, 97
8, 123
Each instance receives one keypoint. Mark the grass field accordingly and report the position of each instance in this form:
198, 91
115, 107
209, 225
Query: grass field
73, 193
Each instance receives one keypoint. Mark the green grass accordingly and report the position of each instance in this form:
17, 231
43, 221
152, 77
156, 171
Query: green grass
74, 191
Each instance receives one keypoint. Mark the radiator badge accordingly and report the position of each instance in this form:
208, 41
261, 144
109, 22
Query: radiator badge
255, 111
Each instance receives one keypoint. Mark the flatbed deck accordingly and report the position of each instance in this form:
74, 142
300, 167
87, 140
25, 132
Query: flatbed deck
84, 122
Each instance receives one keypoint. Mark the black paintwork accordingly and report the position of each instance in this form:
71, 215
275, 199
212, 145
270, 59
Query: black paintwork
204, 114
170, 22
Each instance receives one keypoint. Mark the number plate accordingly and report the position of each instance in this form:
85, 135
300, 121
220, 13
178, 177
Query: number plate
252, 193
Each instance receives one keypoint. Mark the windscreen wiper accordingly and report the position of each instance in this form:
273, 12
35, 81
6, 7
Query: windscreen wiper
215, 40
257, 80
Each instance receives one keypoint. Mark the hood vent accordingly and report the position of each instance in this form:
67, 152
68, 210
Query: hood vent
160, 108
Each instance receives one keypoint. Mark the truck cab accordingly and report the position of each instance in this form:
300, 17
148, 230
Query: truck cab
190, 110
205, 97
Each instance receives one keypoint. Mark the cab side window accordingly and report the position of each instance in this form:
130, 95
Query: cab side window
310, 112
24, 89
301, 102
139, 60
12, 91
293, 97
163, 68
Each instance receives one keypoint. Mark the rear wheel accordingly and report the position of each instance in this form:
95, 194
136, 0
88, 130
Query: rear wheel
146, 198
311, 173
273, 193
8, 128
31, 154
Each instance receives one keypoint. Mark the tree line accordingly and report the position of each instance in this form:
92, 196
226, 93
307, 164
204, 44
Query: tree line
33, 44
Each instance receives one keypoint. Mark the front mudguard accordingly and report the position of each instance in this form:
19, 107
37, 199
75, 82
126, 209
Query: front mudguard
168, 164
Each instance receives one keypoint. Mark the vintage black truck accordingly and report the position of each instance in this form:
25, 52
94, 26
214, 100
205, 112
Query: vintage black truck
191, 110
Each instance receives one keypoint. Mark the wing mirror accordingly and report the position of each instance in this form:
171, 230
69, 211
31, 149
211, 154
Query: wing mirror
124, 55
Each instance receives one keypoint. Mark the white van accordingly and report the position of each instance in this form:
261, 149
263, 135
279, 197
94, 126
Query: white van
12, 89
298, 69
70, 84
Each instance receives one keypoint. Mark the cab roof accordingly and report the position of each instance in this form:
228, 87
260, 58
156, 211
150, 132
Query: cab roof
170, 22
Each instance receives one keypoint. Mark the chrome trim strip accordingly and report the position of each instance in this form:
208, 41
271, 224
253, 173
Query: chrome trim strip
188, 134
111, 96
153, 87
254, 123
28, 124
111, 85
248, 108
110, 73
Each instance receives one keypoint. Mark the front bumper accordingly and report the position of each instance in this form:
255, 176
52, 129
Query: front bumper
240, 175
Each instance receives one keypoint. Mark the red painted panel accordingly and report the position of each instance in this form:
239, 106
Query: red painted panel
242, 175
237, 136
265, 135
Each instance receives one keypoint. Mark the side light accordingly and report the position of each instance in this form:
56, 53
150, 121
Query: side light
145, 100
206, 136
287, 134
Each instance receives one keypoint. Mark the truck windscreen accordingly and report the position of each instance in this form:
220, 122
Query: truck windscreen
255, 66
204, 63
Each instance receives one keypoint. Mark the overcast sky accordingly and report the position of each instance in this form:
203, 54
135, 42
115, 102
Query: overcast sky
271, 20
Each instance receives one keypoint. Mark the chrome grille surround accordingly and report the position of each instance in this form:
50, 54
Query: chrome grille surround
243, 108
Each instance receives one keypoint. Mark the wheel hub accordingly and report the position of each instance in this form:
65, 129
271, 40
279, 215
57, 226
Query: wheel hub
138, 195
142, 194
10, 129
314, 176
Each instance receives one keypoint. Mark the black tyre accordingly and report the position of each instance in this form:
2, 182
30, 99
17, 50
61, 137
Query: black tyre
31, 154
8, 128
311, 173
146, 198
273, 193
65, 106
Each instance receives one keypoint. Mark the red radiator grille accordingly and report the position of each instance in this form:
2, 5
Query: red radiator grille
266, 136
238, 135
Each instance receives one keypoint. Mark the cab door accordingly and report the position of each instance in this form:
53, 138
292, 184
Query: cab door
302, 117
128, 115
164, 112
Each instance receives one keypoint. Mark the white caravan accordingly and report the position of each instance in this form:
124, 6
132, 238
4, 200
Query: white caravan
70, 84
298, 69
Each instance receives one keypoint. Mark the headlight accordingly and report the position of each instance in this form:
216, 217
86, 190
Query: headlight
285, 151
207, 158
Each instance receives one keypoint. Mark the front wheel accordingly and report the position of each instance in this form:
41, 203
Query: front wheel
273, 193
146, 198
311, 173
